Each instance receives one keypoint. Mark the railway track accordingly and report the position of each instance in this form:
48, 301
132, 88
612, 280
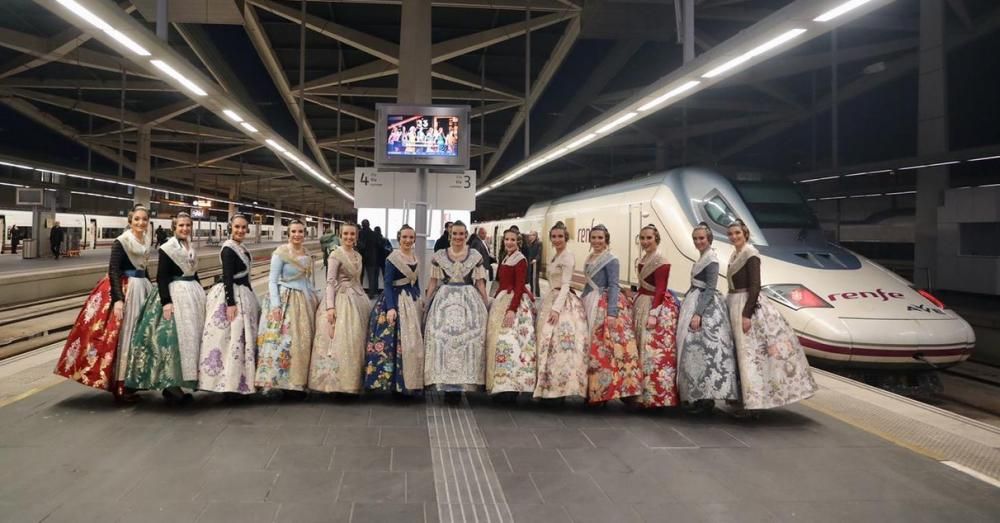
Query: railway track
30, 326
970, 389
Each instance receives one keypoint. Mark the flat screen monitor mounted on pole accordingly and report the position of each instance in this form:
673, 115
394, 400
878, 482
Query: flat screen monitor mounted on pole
422, 136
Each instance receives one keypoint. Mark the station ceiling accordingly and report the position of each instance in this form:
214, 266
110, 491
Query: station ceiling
62, 90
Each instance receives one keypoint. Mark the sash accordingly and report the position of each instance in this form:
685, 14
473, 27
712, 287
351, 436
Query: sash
738, 259
240, 251
513, 259
409, 275
186, 259
593, 267
648, 268
707, 258
136, 250
285, 253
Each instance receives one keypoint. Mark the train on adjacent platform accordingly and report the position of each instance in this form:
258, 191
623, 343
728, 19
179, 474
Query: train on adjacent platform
848, 312
95, 231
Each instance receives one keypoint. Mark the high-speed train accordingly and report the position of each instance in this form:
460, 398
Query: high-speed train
100, 230
847, 311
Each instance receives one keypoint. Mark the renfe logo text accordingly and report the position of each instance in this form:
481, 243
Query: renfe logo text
877, 293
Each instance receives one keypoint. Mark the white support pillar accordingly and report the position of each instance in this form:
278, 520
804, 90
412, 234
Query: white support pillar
278, 227
142, 165
932, 137
415, 54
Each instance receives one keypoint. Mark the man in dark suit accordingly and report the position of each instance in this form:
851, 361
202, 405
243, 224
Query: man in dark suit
445, 240
532, 250
476, 242
56, 236
369, 246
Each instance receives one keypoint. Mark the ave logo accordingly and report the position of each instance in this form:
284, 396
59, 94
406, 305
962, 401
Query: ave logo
924, 308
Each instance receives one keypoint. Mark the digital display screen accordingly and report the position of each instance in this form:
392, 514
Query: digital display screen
426, 136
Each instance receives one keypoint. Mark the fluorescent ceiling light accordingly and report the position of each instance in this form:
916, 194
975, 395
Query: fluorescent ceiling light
990, 185
867, 172
247, 126
872, 195
900, 192
687, 86
191, 86
839, 10
939, 164
233, 116
582, 140
482, 191
494, 185
97, 22
274, 145
811, 180
756, 51
616, 122
345, 193
17, 165
984, 158
834, 198
5, 184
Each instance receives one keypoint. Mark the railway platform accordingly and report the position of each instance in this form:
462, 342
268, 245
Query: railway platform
851, 453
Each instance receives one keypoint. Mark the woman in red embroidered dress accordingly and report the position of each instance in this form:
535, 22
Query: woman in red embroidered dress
655, 313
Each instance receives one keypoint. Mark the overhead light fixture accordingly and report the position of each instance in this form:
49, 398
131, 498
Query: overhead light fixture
871, 195
833, 198
97, 22
345, 193
900, 193
582, 140
928, 165
17, 165
984, 158
191, 86
811, 180
839, 10
755, 52
232, 115
5, 184
617, 122
247, 126
686, 86
852, 175
483, 191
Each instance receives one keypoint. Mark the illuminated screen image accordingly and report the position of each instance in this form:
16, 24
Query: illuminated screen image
417, 135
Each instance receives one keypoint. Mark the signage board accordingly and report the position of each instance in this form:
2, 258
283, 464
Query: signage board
398, 190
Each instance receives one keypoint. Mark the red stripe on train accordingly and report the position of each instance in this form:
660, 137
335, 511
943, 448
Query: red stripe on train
892, 353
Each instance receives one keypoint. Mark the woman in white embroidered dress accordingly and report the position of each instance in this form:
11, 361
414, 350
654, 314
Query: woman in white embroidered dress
773, 367
455, 332
229, 344
563, 334
339, 346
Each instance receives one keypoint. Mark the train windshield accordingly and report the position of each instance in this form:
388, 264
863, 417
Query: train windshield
777, 205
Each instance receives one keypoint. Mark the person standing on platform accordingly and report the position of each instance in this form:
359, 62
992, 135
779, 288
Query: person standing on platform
394, 358
772, 365
339, 345
97, 348
167, 342
563, 335
287, 323
444, 241
655, 314
532, 250
510, 335
477, 242
384, 248
56, 236
614, 371
455, 332
706, 362
15, 238
229, 343
161, 235
329, 241
369, 246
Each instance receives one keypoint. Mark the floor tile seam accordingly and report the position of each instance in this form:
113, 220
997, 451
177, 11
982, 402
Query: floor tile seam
492, 480
465, 473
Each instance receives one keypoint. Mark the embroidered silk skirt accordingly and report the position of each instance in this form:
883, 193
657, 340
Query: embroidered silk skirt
92, 345
229, 349
706, 361
562, 349
339, 350
614, 370
511, 361
455, 339
165, 353
394, 355
657, 351
772, 365
284, 347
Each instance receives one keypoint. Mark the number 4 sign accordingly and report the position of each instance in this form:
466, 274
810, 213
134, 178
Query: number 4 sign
396, 190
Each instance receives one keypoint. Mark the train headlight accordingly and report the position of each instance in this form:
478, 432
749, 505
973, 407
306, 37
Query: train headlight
930, 297
794, 296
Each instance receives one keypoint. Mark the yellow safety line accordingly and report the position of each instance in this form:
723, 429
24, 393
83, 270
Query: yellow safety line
882, 434
27, 393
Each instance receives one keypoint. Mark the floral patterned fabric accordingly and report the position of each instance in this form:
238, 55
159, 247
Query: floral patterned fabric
229, 349
510, 352
562, 347
657, 351
165, 353
339, 350
773, 367
614, 370
284, 346
394, 355
706, 361
89, 354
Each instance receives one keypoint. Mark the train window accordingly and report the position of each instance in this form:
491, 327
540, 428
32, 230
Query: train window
719, 212
112, 232
777, 205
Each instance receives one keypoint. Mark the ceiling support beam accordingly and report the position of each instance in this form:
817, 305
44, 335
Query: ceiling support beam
164, 114
361, 113
84, 85
392, 93
267, 55
444, 51
559, 54
39, 47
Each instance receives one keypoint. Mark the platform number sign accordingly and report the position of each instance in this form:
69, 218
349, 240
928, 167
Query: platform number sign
396, 190
456, 191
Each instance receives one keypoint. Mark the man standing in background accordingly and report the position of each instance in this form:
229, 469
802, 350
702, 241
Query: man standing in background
56, 236
533, 253
445, 240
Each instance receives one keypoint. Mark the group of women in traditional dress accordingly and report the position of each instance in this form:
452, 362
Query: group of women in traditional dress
646, 349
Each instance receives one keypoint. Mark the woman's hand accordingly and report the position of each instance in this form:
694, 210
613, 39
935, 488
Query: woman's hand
695, 322
331, 316
746, 325
168, 311
391, 316
119, 310
231, 313
508, 320
276, 314
651, 322
553, 317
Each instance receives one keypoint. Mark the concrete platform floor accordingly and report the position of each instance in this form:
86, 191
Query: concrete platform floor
69, 454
